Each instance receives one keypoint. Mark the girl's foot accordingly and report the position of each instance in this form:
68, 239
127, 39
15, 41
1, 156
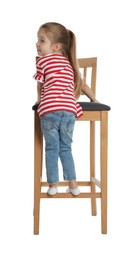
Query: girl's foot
52, 189
74, 191
73, 188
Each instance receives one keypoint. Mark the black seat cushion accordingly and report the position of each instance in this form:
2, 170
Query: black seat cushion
35, 106
87, 106
93, 106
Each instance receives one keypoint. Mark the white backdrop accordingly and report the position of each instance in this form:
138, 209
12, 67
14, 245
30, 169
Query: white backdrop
108, 30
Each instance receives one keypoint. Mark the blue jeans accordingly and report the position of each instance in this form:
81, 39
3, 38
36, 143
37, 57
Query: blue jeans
57, 128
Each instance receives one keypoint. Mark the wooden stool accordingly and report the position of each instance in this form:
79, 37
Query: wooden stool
92, 112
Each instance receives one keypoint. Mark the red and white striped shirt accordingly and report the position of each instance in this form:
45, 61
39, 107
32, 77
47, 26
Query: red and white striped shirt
56, 74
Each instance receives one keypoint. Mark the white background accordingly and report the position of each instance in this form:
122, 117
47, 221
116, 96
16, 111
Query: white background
108, 30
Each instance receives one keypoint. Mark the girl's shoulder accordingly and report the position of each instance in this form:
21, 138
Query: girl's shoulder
49, 57
41, 60
54, 58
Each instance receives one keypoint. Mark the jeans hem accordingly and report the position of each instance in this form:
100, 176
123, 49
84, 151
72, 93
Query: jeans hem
53, 183
70, 179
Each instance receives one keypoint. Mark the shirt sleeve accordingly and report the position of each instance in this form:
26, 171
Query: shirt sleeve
39, 75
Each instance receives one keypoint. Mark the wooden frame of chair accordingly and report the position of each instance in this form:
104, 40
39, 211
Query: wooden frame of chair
91, 116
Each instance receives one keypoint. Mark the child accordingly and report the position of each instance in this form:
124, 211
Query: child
59, 84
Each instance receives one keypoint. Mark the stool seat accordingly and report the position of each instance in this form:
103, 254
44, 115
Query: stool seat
94, 106
35, 106
87, 106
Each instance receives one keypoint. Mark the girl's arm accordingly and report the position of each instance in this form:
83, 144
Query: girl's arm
39, 88
88, 92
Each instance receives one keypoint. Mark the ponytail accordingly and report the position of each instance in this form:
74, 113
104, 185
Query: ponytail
74, 63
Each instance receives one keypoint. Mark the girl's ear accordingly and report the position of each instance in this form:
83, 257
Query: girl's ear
56, 47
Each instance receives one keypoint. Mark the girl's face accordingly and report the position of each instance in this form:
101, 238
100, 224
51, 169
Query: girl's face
43, 44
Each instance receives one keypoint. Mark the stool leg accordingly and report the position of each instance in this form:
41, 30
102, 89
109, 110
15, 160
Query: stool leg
38, 146
92, 166
104, 143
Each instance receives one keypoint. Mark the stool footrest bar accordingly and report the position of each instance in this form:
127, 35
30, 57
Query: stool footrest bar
69, 195
63, 184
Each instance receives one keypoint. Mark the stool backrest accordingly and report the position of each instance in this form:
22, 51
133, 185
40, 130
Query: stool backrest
88, 68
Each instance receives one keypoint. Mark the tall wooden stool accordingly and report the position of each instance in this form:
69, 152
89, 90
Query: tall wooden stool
92, 112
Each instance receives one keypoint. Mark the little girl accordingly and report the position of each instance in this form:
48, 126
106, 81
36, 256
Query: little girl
59, 84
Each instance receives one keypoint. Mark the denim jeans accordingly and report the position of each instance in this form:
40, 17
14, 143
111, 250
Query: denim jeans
57, 128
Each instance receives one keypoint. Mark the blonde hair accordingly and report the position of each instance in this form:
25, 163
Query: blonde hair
57, 33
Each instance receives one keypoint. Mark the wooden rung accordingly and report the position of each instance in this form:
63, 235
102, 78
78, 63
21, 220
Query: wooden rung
63, 184
69, 195
84, 183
